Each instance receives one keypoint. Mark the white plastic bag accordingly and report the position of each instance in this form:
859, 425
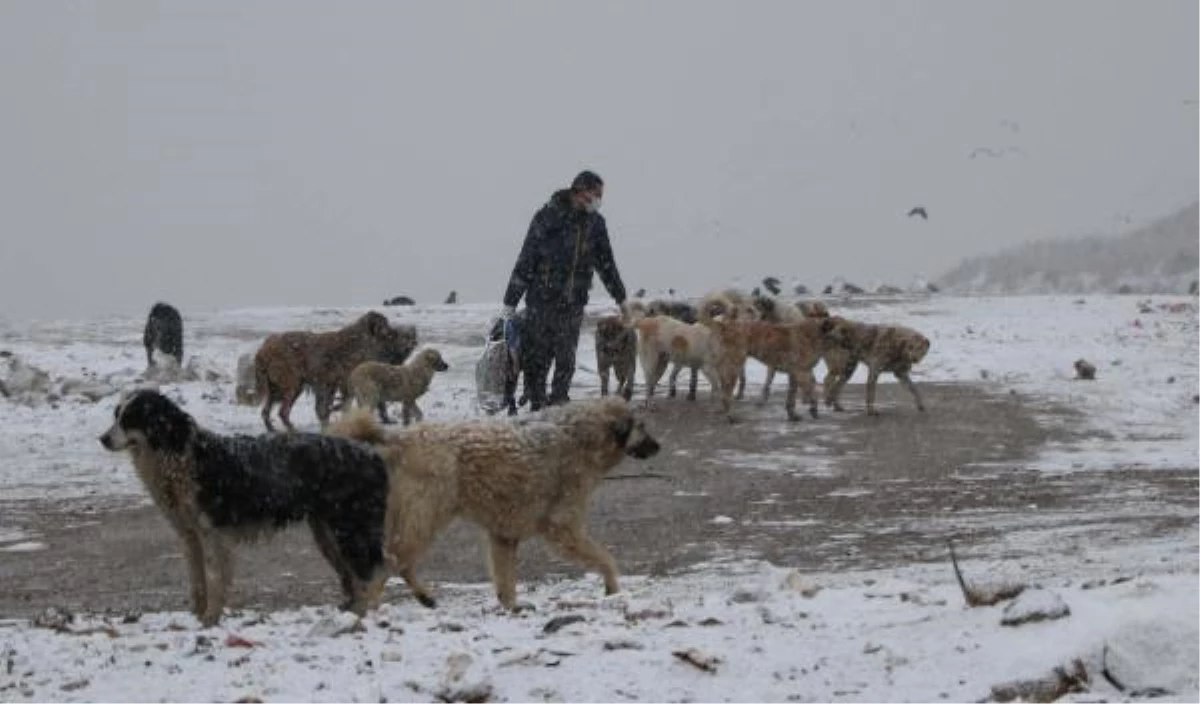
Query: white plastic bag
496, 371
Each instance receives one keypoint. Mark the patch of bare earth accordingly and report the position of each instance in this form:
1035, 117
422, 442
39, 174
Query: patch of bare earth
841, 492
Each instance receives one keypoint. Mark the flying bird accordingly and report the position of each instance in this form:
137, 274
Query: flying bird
919, 210
988, 151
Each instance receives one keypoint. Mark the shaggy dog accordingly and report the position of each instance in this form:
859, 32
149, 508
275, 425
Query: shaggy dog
729, 304
616, 350
164, 332
288, 362
663, 340
515, 478
883, 348
215, 490
792, 348
375, 384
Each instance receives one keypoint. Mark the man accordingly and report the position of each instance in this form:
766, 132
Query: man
567, 241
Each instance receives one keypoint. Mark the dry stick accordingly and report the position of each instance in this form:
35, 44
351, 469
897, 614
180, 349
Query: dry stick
976, 597
1108, 675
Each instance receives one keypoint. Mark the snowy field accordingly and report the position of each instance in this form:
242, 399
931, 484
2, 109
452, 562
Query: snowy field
775, 634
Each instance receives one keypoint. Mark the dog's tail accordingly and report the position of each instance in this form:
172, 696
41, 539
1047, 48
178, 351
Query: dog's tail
359, 424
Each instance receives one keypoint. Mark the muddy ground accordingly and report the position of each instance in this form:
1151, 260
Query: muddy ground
841, 492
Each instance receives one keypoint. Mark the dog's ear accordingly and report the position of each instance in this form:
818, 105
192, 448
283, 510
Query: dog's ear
827, 325
621, 429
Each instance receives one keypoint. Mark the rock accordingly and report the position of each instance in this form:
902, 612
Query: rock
793, 582
1194, 288
557, 623
1034, 605
889, 290
23, 379
1049, 688
245, 392
452, 298
336, 624
466, 679
800, 290
400, 301
1147, 654
1085, 370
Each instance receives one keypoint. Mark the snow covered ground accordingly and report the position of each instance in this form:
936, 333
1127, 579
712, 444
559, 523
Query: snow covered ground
899, 635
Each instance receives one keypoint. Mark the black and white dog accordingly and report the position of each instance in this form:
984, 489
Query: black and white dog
164, 332
218, 489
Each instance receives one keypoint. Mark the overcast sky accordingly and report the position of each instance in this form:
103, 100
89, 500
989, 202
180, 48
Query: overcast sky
251, 153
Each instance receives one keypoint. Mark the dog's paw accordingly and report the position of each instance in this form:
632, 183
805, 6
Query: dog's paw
427, 601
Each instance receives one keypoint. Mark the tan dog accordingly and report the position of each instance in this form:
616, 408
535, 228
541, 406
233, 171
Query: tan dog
731, 305
288, 362
375, 384
663, 340
792, 348
515, 478
883, 348
616, 351
773, 310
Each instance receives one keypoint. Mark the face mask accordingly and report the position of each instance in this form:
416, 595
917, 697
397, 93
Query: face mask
593, 205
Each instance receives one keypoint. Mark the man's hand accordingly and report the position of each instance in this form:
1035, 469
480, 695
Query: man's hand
508, 312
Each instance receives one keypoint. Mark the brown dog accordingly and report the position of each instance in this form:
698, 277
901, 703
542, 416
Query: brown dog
792, 348
375, 384
288, 362
883, 348
515, 478
616, 350
730, 304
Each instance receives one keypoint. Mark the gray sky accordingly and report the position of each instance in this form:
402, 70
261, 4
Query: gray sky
223, 154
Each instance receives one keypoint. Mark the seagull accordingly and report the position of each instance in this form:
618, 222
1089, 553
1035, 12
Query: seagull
919, 210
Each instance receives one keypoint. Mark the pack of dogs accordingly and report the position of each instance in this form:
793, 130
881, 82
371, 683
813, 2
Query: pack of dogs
376, 498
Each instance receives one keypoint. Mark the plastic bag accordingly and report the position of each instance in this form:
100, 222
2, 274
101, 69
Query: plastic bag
497, 368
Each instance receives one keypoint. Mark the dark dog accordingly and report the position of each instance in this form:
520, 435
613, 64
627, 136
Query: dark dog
164, 332
217, 489
616, 350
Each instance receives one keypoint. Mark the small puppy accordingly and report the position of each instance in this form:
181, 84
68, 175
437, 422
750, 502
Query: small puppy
375, 384
616, 350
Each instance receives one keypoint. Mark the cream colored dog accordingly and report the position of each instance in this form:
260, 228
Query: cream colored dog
515, 478
374, 384
663, 340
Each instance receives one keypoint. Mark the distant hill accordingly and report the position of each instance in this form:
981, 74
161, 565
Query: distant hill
1162, 257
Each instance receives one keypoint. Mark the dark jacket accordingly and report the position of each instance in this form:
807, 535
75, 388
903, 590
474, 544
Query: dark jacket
562, 249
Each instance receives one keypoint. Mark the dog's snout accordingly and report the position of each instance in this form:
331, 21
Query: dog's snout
106, 441
646, 447
441, 366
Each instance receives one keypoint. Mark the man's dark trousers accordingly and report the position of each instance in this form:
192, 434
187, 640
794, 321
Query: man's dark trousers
551, 335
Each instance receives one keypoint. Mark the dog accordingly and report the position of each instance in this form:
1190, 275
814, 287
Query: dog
375, 384
730, 304
837, 361
663, 340
288, 362
164, 333
516, 478
616, 350
217, 489
882, 348
793, 348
